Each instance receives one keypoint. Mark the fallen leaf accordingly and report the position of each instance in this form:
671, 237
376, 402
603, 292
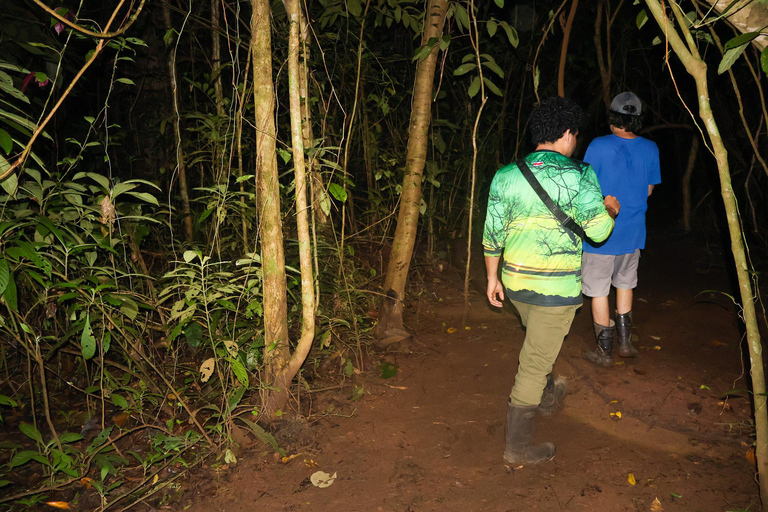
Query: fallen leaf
631, 479
322, 479
310, 463
399, 387
61, 505
616, 415
468, 328
676, 495
619, 363
717, 343
206, 369
289, 458
656, 347
614, 401
751, 455
451, 330
155, 479
639, 371
86, 481
704, 386
657, 338
656, 506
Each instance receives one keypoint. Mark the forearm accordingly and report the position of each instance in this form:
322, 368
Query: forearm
492, 266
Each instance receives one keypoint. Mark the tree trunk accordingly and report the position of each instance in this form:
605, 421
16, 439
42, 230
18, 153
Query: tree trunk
283, 379
603, 58
696, 67
276, 349
391, 317
186, 212
564, 49
686, 184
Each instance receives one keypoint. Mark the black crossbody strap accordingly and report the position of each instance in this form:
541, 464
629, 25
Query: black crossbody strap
564, 220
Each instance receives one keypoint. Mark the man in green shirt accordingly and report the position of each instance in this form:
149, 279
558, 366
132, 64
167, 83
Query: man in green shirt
541, 272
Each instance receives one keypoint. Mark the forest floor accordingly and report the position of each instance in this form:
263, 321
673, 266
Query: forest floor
649, 434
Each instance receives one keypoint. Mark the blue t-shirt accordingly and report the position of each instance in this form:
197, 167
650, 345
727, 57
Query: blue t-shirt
624, 168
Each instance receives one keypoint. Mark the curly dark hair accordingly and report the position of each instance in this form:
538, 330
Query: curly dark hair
630, 123
551, 118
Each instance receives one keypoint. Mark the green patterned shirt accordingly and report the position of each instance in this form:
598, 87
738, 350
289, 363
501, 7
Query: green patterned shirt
541, 259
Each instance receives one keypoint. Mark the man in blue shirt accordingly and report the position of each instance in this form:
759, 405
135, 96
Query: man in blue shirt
627, 166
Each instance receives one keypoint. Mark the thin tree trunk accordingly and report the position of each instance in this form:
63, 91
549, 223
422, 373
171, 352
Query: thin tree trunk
276, 349
696, 67
186, 211
316, 187
602, 62
564, 49
686, 183
391, 317
283, 379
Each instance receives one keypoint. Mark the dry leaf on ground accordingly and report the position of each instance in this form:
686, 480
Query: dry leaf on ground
322, 479
656, 506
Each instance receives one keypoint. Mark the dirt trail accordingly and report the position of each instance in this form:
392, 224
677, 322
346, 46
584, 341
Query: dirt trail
431, 438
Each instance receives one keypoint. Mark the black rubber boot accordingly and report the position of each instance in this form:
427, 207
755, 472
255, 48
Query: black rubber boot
624, 335
520, 449
553, 395
604, 336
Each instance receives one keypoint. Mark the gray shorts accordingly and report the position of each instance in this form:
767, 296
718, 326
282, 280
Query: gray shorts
600, 271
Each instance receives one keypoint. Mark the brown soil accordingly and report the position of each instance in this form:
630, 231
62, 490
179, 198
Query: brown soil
431, 437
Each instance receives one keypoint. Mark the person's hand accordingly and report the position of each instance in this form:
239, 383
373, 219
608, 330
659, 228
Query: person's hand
612, 205
495, 292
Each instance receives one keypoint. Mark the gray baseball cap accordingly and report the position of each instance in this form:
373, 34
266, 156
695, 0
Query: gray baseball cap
627, 103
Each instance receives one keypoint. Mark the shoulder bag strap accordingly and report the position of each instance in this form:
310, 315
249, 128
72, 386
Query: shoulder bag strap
564, 220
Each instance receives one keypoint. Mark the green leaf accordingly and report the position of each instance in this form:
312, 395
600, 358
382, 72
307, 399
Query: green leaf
99, 440
338, 192
11, 183
490, 85
499, 3
676, 495
240, 373
422, 53
6, 142
31, 432
741, 40
464, 68
764, 61
87, 341
492, 27
729, 58
642, 19
263, 435
194, 334
355, 9
98, 178
462, 18
121, 188
10, 293
388, 370
189, 256
514, 39
21, 458
144, 196
474, 88
120, 401
235, 397
127, 81
70, 437
5, 275
491, 64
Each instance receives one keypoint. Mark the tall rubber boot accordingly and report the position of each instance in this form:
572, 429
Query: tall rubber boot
624, 335
553, 395
604, 336
520, 449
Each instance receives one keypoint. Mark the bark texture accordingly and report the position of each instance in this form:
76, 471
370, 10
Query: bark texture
391, 316
687, 53
276, 350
